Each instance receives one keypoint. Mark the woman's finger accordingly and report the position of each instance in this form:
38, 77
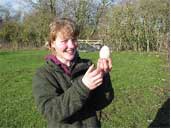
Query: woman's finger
90, 69
99, 82
97, 76
105, 65
110, 63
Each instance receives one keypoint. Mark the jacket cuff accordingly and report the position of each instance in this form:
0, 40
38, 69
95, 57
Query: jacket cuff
82, 89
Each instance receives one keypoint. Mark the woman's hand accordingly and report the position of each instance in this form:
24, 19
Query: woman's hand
93, 77
104, 64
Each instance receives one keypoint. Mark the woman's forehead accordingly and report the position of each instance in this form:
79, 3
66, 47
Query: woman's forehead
64, 34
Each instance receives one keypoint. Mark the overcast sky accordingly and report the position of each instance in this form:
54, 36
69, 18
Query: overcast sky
15, 5
11, 4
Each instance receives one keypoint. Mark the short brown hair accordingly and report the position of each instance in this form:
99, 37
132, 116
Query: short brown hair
67, 26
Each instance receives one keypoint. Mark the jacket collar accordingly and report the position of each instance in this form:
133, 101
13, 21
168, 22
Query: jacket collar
78, 65
56, 61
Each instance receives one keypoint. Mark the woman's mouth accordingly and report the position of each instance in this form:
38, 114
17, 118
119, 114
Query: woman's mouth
71, 52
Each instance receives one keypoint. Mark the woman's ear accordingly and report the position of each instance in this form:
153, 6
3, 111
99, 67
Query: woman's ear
53, 44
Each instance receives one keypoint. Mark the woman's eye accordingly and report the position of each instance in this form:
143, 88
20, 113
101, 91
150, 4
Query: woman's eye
64, 41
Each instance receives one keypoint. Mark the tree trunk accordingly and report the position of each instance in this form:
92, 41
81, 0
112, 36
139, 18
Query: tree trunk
148, 45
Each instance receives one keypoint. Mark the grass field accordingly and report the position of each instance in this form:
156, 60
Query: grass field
140, 80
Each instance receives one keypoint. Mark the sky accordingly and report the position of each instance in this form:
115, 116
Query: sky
14, 5
11, 4
17, 5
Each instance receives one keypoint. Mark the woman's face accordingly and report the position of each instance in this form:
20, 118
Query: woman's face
65, 47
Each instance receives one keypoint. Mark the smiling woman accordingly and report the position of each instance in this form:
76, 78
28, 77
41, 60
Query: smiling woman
69, 90
63, 40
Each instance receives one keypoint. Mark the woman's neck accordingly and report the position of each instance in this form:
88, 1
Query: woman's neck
68, 63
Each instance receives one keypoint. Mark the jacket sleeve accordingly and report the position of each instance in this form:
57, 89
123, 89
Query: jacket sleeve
55, 104
103, 95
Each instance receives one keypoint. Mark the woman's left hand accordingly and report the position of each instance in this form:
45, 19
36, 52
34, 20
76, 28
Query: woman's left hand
104, 65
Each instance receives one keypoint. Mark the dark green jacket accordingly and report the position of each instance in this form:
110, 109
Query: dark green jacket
65, 101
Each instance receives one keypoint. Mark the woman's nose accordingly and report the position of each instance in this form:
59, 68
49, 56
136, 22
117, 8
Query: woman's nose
72, 44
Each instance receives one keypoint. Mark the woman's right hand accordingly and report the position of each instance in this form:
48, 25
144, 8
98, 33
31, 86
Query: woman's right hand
93, 77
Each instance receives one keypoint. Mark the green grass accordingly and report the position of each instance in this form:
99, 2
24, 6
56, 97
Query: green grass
140, 80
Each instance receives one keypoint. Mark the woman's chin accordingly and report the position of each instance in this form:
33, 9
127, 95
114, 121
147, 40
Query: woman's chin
70, 57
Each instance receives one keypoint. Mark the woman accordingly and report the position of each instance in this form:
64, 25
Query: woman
69, 90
